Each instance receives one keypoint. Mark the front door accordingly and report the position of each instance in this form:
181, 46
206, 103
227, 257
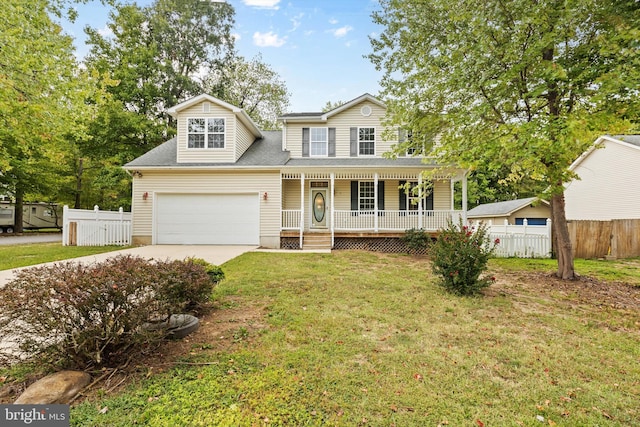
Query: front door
318, 207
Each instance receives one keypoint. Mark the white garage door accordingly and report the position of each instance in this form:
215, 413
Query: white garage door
208, 219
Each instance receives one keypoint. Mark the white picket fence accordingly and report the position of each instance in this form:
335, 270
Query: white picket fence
521, 241
82, 227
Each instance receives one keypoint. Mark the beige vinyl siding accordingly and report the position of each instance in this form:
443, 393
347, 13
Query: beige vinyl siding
343, 122
540, 211
442, 195
206, 155
343, 195
352, 117
244, 139
207, 182
608, 185
291, 194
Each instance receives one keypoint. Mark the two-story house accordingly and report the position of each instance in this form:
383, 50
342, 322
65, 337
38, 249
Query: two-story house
322, 181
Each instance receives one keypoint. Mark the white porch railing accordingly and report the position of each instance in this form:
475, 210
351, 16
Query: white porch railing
83, 227
521, 241
386, 220
291, 219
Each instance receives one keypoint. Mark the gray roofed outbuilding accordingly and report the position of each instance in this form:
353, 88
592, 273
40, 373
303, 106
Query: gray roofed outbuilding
630, 139
500, 208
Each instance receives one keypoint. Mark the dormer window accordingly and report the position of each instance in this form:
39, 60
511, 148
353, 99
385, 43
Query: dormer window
205, 133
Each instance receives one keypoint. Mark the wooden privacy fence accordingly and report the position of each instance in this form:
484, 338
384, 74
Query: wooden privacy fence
82, 227
521, 241
618, 238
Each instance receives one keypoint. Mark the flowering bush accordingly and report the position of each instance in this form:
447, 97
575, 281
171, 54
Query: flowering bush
460, 256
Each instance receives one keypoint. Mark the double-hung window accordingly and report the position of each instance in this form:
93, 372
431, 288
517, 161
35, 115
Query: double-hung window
366, 196
367, 141
413, 197
205, 133
319, 141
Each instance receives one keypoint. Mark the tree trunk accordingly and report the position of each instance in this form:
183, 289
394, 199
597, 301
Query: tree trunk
78, 185
18, 217
564, 250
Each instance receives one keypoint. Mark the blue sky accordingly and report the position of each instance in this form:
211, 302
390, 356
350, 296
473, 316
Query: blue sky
316, 46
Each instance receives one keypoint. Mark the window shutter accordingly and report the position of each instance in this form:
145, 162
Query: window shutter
354, 195
428, 202
403, 196
354, 142
332, 142
381, 195
305, 142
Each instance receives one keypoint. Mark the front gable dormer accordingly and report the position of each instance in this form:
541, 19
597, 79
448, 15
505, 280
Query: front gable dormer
212, 131
353, 129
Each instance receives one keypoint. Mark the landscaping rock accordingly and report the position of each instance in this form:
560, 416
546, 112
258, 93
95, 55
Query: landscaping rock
60, 388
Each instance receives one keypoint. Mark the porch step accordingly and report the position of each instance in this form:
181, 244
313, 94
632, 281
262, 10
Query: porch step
315, 241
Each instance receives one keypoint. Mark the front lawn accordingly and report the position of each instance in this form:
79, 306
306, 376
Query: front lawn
14, 256
357, 338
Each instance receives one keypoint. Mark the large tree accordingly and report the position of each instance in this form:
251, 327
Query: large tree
156, 56
253, 86
42, 101
159, 55
521, 84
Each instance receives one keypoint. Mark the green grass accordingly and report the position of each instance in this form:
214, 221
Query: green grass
356, 338
623, 270
14, 256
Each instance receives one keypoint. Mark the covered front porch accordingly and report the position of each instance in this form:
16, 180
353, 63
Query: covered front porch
368, 204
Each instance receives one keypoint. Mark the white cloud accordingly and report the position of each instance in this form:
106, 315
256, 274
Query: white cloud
296, 21
342, 31
264, 4
333, 21
268, 39
105, 31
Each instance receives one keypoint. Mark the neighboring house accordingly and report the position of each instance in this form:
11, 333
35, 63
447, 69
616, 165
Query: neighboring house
607, 188
514, 212
321, 181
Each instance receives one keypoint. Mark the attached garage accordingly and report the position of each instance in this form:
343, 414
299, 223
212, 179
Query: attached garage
207, 219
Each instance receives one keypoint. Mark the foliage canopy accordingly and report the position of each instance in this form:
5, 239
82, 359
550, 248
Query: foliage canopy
525, 86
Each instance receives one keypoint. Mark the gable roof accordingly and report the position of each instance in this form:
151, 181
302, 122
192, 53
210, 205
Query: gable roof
264, 152
631, 141
502, 208
239, 112
324, 116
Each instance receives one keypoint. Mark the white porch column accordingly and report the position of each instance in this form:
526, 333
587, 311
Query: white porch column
464, 198
420, 225
452, 184
333, 211
301, 208
375, 202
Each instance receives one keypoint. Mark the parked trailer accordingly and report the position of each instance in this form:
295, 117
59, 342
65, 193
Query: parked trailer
34, 216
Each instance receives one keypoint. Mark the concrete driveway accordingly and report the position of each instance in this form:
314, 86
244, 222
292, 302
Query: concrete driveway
216, 255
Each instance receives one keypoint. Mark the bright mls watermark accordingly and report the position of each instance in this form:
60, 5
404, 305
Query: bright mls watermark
34, 415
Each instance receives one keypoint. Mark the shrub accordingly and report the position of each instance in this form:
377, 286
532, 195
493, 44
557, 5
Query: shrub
77, 315
460, 256
186, 285
215, 272
417, 240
